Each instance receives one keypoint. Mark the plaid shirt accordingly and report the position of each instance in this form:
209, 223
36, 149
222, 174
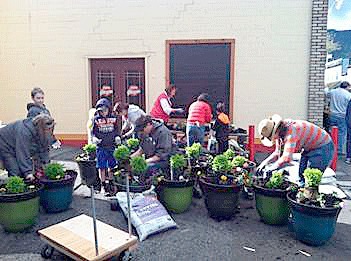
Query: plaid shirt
301, 135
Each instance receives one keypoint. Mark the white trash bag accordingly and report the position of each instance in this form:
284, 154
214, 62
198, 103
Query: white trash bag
148, 215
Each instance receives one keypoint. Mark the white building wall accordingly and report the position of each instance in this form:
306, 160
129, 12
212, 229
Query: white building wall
47, 43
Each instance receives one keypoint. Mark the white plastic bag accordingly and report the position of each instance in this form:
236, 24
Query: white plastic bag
148, 216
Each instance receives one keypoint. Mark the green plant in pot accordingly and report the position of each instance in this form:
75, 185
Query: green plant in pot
230, 154
175, 188
122, 155
221, 188
313, 214
193, 152
58, 187
249, 166
133, 143
271, 202
15, 197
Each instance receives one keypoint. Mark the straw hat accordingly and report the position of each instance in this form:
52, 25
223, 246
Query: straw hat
267, 128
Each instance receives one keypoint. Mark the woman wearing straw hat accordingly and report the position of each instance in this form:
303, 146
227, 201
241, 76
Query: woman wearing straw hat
292, 136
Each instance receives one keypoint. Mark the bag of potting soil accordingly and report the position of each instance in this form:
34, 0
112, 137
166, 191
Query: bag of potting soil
148, 216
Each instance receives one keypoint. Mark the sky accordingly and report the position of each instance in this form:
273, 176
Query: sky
339, 17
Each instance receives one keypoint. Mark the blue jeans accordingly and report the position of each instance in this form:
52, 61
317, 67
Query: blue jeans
341, 124
348, 143
104, 157
195, 134
319, 158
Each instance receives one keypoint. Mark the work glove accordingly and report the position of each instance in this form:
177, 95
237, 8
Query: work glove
96, 141
179, 110
30, 177
118, 140
56, 145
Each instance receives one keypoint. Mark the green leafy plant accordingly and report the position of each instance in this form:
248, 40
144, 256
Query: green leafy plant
178, 162
89, 148
275, 181
132, 143
15, 185
239, 161
121, 153
138, 165
54, 171
229, 154
312, 177
221, 163
194, 150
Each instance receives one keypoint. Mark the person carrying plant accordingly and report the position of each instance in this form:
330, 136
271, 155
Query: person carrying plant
200, 114
130, 113
106, 131
292, 136
23, 140
221, 128
156, 143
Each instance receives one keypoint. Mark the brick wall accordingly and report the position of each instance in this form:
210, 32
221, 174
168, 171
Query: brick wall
317, 61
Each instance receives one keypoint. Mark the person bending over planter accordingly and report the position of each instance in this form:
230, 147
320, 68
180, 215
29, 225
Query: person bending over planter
23, 140
156, 143
106, 131
130, 113
200, 114
292, 136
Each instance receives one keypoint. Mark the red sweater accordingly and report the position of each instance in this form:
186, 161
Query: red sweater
157, 111
201, 112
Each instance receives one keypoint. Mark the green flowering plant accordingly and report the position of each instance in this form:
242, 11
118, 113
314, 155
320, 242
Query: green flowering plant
221, 164
54, 171
276, 181
138, 165
239, 161
121, 153
312, 177
89, 148
230, 154
194, 150
133, 143
15, 185
178, 162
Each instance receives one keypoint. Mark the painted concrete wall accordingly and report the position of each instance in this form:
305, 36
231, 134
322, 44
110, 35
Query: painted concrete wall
47, 44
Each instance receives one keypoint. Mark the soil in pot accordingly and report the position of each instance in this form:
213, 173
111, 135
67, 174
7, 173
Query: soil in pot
311, 224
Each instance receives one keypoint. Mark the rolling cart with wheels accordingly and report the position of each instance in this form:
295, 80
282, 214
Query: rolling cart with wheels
78, 239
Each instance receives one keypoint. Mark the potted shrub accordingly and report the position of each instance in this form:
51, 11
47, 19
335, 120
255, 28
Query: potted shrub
249, 166
313, 214
19, 204
122, 155
271, 202
134, 169
87, 167
221, 186
133, 144
56, 195
197, 164
175, 189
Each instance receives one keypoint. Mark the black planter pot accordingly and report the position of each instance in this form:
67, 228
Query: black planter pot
88, 172
311, 224
121, 185
221, 200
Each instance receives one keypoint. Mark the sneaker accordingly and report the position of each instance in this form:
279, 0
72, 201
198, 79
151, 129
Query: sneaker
348, 161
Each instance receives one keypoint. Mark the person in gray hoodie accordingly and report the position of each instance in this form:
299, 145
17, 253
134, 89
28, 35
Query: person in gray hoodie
23, 140
156, 143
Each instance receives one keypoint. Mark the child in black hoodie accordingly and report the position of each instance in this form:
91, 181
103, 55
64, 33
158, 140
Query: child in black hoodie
221, 127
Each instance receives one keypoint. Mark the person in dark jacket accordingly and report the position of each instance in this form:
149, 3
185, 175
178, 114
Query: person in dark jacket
23, 140
221, 127
37, 106
106, 128
156, 143
348, 135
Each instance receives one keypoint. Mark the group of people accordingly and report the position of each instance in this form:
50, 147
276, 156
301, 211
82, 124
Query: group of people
31, 138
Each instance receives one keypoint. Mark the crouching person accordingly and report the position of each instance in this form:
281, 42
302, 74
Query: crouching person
25, 140
156, 143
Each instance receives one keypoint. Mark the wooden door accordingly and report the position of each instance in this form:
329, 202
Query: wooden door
125, 77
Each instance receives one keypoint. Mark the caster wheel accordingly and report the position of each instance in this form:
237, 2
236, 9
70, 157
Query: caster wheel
47, 251
125, 256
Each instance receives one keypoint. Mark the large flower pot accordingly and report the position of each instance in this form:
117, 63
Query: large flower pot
57, 194
221, 200
19, 211
312, 225
272, 205
176, 196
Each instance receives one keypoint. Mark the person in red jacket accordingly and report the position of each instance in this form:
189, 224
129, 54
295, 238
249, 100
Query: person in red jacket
200, 114
163, 106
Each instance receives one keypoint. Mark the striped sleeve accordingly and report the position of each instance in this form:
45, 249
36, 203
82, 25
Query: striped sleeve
289, 147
